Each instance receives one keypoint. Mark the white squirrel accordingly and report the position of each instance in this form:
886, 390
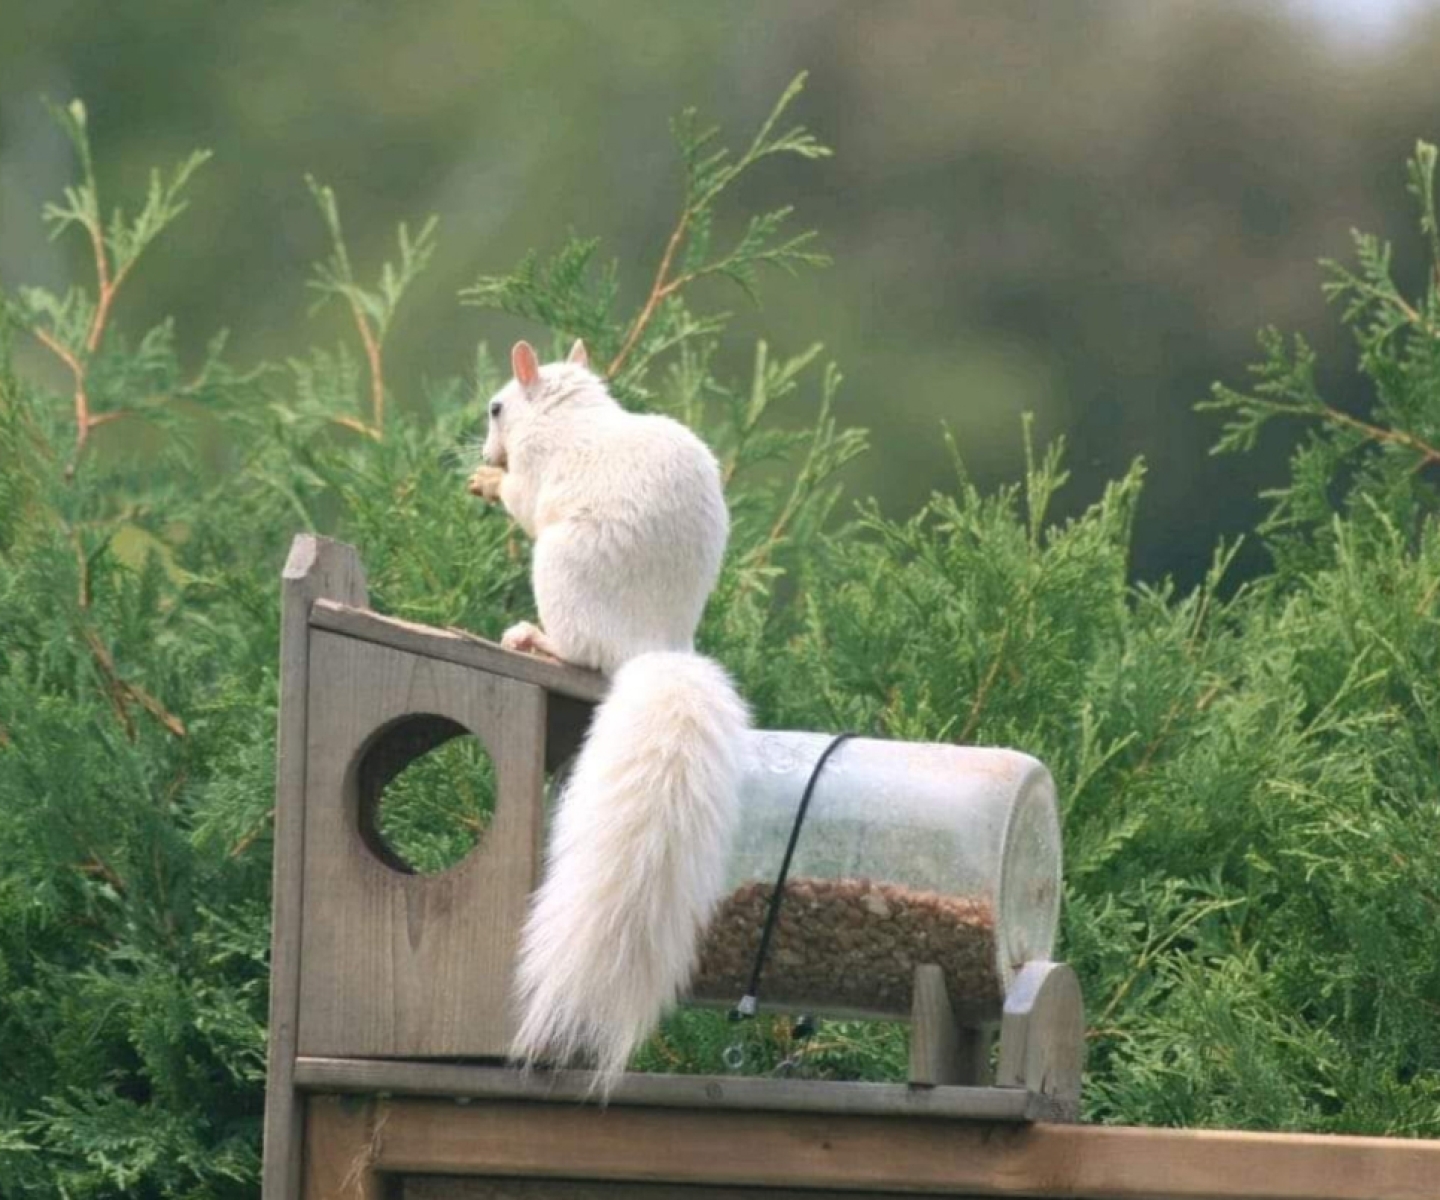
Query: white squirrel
629, 522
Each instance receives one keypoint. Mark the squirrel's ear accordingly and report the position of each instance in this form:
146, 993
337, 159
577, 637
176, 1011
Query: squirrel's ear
525, 365
578, 355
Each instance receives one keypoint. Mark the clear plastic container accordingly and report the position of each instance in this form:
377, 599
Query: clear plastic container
910, 853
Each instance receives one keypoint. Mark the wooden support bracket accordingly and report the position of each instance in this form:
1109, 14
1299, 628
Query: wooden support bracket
1042, 1036
943, 1051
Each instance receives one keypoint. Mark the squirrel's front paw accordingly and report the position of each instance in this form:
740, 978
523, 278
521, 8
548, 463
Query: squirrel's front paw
485, 483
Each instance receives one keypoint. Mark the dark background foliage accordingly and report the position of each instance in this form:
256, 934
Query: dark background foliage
1083, 210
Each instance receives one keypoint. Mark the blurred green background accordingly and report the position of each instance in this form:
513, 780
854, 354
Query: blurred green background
1079, 208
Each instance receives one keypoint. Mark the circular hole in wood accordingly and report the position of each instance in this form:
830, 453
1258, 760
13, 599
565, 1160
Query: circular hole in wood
427, 794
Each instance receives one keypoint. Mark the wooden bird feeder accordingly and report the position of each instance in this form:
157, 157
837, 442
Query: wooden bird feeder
926, 886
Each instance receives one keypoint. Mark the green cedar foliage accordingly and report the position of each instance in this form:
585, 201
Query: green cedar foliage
1249, 773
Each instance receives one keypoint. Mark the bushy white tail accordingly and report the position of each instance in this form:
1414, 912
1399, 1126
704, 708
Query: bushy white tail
635, 865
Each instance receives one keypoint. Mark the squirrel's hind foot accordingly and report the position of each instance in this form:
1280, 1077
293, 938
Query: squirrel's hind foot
526, 638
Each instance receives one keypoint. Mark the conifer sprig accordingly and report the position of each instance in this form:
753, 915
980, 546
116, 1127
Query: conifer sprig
1398, 339
575, 296
373, 309
73, 327
708, 173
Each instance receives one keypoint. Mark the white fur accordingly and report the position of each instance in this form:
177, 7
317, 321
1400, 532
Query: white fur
627, 514
629, 522
636, 863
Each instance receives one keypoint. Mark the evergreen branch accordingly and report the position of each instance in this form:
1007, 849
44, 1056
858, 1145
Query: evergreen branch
122, 692
336, 278
1429, 454
82, 567
1153, 949
114, 254
97, 866
1421, 184
659, 290
706, 177
982, 694
357, 425
115, 414
371, 344
82, 400
372, 311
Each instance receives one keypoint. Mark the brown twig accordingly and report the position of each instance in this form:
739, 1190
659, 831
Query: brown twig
977, 705
82, 399
114, 415
122, 692
659, 290
357, 425
1429, 454
106, 290
1167, 723
98, 867
377, 375
82, 565
1428, 598
247, 839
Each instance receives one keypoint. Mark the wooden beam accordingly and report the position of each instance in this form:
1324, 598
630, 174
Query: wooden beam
706, 1092
860, 1153
458, 647
451, 1187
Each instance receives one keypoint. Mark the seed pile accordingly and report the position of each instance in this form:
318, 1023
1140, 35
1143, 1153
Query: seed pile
850, 943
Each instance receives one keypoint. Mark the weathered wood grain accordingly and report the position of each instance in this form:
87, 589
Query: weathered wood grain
454, 1187
400, 964
340, 1150
860, 1154
1042, 1035
473, 1081
934, 1038
456, 646
316, 567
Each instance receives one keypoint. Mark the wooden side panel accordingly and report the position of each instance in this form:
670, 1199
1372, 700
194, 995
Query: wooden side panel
878, 1154
400, 965
316, 568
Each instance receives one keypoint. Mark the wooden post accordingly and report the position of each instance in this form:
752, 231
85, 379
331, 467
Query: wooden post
316, 568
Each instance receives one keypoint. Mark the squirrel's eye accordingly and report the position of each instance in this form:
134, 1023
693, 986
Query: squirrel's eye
495, 407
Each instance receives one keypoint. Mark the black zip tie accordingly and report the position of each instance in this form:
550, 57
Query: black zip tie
750, 1002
